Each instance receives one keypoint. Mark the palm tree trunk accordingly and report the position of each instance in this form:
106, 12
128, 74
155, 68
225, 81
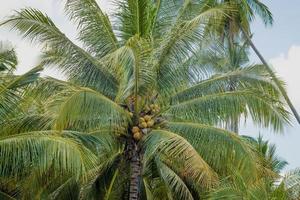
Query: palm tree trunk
234, 120
269, 69
135, 172
235, 125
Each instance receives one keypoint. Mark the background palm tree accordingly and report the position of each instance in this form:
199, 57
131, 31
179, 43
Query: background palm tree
239, 22
291, 182
8, 58
268, 186
231, 63
130, 121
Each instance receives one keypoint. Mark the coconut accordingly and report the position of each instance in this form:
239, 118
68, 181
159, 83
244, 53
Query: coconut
150, 123
135, 129
147, 118
130, 114
143, 125
138, 136
141, 120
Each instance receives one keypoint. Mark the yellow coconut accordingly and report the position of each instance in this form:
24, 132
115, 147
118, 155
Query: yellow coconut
150, 123
138, 136
143, 125
141, 120
130, 114
147, 118
135, 129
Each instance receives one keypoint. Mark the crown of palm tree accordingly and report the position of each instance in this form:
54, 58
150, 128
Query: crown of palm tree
243, 13
132, 119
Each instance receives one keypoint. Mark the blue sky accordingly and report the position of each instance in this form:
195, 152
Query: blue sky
279, 44
277, 39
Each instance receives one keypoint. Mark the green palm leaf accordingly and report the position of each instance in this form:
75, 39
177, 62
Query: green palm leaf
42, 151
10, 90
87, 108
91, 20
212, 108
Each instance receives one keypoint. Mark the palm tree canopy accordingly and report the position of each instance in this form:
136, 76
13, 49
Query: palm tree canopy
244, 12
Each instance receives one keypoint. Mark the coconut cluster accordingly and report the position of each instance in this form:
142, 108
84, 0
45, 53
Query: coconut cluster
137, 133
146, 121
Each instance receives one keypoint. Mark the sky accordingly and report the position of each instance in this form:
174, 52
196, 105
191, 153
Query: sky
280, 45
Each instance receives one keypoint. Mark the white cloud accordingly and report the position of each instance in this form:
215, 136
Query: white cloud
287, 67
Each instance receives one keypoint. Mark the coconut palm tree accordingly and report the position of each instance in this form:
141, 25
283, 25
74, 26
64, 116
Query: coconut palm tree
131, 121
239, 22
233, 59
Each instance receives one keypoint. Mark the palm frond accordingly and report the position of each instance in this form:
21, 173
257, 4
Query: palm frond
135, 18
95, 28
240, 188
243, 77
176, 148
26, 123
84, 108
221, 149
60, 50
174, 183
42, 151
11, 93
180, 44
107, 179
213, 108
291, 182
261, 10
